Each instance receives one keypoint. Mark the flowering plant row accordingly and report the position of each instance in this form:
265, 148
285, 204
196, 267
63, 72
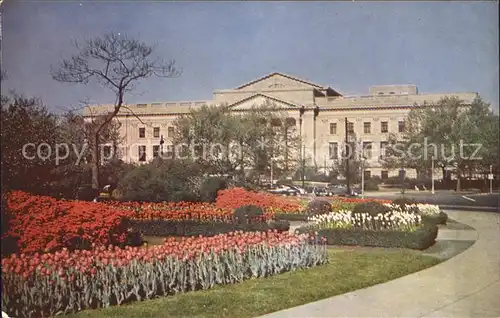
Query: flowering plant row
395, 220
65, 281
41, 223
233, 198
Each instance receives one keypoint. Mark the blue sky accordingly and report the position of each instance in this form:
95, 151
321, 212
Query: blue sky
439, 46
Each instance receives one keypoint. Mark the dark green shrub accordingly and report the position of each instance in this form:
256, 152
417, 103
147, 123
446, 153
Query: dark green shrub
196, 228
183, 196
372, 208
280, 225
441, 218
160, 180
248, 214
9, 244
209, 188
422, 238
87, 193
291, 217
371, 185
401, 201
316, 207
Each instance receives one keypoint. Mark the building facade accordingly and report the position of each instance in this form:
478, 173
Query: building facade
318, 111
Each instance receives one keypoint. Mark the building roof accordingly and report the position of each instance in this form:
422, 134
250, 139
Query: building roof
265, 96
284, 75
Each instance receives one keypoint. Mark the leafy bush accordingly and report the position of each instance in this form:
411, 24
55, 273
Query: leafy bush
291, 217
195, 228
371, 185
402, 201
441, 218
248, 214
160, 180
373, 208
318, 206
422, 238
9, 244
209, 188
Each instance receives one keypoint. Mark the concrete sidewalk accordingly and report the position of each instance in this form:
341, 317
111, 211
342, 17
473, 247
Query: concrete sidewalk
467, 285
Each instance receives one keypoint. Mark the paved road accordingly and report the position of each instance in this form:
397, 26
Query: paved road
467, 285
447, 198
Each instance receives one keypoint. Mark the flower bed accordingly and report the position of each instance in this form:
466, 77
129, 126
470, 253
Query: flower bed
400, 227
233, 198
41, 223
65, 282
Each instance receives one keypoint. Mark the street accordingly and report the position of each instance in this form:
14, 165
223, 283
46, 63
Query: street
445, 198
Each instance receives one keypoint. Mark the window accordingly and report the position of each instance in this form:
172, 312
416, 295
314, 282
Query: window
367, 149
142, 132
142, 153
385, 174
401, 126
368, 174
350, 128
170, 132
170, 151
333, 128
156, 151
106, 151
402, 174
384, 127
367, 127
156, 132
333, 150
383, 147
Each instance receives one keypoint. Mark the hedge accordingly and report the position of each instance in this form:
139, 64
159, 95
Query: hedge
420, 239
196, 228
441, 218
291, 217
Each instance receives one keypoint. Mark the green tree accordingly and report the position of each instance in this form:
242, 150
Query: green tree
25, 125
450, 132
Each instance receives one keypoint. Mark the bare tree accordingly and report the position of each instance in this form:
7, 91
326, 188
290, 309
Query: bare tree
116, 62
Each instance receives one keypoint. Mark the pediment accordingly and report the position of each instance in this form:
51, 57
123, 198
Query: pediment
278, 81
261, 100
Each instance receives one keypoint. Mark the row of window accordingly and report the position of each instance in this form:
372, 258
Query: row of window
156, 132
367, 149
168, 153
384, 174
367, 127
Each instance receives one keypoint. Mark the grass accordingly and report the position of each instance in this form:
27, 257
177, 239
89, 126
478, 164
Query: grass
346, 271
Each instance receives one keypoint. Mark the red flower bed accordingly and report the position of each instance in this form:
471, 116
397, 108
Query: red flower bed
62, 282
235, 197
41, 223
87, 261
204, 212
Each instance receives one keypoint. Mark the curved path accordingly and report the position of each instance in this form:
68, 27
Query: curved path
467, 285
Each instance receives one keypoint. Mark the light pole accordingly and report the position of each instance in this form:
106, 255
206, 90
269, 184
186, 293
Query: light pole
491, 179
432, 175
363, 176
272, 179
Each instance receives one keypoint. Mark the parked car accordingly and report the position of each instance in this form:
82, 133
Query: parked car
322, 192
284, 190
300, 190
342, 191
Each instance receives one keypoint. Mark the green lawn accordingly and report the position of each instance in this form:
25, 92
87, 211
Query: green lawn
347, 270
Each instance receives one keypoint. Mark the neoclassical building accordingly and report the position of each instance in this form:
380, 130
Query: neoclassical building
318, 111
